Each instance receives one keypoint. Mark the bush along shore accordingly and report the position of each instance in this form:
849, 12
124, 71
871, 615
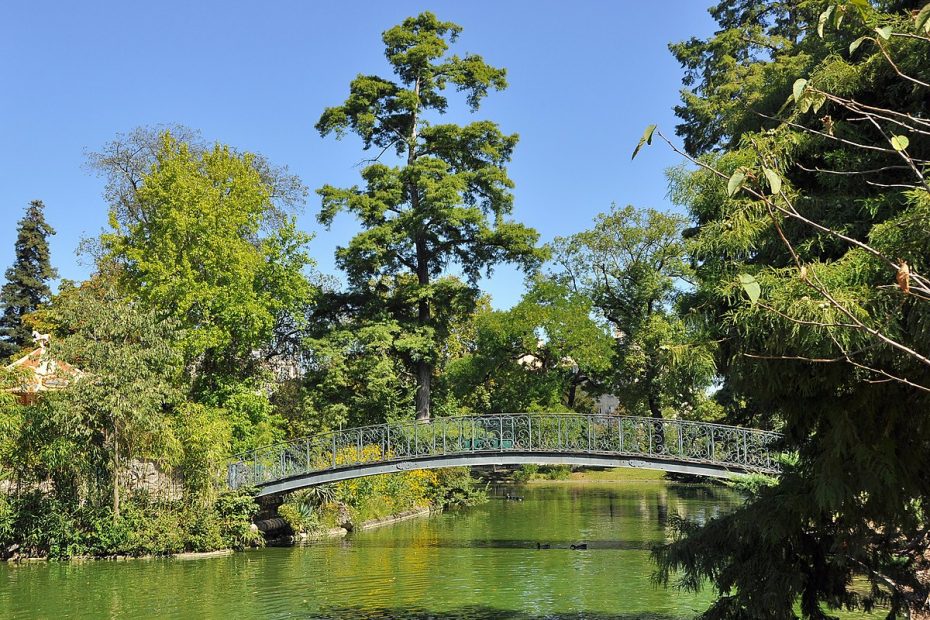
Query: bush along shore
34, 526
325, 510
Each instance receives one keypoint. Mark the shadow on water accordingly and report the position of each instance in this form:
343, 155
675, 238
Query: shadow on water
708, 492
624, 545
470, 612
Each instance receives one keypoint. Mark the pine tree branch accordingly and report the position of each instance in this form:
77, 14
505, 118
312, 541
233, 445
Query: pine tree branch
772, 207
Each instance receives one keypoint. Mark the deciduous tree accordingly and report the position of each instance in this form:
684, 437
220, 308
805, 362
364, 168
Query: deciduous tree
198, 239
533, 357
634, 266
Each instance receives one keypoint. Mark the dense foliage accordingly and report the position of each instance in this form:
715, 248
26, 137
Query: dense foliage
807, 121
791, 295
633, 265
351, 503
444, 203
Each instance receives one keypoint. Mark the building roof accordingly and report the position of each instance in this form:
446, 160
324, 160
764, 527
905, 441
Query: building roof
40, 373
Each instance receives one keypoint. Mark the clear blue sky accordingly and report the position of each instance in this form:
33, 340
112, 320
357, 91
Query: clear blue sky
585, 79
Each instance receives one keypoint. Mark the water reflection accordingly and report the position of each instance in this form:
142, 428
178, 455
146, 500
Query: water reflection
480, 563
473, 613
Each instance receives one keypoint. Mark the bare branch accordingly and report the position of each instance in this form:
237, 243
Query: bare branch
887, 56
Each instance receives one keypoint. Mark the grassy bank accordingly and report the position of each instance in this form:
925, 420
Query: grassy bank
564, 473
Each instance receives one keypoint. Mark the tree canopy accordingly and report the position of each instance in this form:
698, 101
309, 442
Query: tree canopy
206, 246
806, 123
444, 202
634, 266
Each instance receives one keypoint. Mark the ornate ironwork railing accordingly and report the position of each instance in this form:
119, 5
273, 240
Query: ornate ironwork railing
680, 441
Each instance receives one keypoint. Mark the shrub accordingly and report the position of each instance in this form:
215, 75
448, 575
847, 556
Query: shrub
234, 512
454, 487
525, 472
558, 472
300, 517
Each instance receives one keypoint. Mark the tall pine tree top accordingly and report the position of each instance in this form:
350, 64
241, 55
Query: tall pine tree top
26, 286
444, 202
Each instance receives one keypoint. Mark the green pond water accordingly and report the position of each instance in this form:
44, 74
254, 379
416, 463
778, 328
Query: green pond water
480, 563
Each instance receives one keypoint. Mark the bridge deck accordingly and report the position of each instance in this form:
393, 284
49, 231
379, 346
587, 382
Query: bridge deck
506, 439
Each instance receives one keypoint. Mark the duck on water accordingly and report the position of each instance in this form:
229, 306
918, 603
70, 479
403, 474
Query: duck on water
578, 547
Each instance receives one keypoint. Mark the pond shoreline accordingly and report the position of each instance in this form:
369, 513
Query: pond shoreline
618, 476
305, 539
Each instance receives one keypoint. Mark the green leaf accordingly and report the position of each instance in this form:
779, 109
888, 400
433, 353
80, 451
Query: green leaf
821, 22
646, 139
798, 89
923, 19
774, 180
751, 286
884, 32
817, 102
855, 44
899, 143
736, 181
839, 15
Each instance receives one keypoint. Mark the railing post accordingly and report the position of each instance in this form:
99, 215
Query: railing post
559, 431
529, 425
358, 448
334, 448
444, 448
620, 433
681, 441
416, 438
713, 452
500, 435
307, 448
587, 420
650, 438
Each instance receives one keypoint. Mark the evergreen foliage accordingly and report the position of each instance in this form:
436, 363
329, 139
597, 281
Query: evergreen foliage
807, 120
444, 202
26, 287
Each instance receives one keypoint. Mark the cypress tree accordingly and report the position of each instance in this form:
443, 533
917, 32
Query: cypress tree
26, 286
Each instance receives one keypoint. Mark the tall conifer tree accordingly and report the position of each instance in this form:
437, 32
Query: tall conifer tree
445, 200
26, 286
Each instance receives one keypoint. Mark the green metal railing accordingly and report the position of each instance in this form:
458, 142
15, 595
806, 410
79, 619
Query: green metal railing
678, 441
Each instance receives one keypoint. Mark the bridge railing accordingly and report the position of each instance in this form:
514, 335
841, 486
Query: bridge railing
743, 449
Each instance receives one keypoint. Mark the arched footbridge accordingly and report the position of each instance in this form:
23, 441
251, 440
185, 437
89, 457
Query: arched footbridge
680, 446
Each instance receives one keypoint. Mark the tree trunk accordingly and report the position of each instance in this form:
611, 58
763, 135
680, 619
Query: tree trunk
424, 384
115, 474
423, 367
655, 409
